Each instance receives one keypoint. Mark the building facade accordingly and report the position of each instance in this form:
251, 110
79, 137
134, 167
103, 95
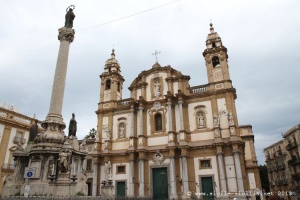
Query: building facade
283, 163
14, 132
170, 139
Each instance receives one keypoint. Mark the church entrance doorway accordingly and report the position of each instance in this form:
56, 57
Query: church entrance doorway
160, 183
121, 186
207, 187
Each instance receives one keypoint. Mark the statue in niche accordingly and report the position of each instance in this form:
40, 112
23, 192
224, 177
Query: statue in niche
156, 85
200, 120
50, 168
33, 132
64, 165
230, 119
72, 126
108, 170
69, 17
216, 120
122, 130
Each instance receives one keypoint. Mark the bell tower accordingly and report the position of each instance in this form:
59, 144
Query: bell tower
216, 57
111, 83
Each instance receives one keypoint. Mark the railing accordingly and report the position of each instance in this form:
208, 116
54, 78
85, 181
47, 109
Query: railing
124, 102
16, 140
291, 146
199, 89
293, 161
8, 166
3, 114
296, 176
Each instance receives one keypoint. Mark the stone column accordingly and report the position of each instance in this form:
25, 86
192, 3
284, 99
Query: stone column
95, 176
221, 169
132, 121
238, 169
54, 124
172, 176
131, 179
185, 179
141, 175
170, 116
181, 115
140, 120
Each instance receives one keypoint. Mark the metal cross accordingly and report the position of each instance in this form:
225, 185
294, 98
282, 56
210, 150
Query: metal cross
155, 54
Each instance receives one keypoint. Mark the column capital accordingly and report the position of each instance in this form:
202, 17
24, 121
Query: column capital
141, 108
132, 109
66, 34
169, 103
180, 102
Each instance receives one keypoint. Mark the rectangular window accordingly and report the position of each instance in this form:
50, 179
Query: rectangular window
121, 169
89, 164
204, 164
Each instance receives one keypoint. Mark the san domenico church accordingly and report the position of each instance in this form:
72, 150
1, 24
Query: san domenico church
170, 139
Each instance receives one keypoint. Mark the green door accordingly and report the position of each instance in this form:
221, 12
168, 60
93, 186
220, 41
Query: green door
160, 183
207, 188
121, 189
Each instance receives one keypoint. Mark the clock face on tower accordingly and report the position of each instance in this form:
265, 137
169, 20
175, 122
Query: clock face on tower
218, 74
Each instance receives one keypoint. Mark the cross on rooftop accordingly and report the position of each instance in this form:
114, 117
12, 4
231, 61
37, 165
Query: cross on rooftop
155, 54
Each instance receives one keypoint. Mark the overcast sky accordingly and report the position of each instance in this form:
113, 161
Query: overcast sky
262, 38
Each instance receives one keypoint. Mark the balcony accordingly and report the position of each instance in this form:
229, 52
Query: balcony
293, 161
199, 89
291, 146
296, 176
8, 167
16, 140
124, 102
279, 152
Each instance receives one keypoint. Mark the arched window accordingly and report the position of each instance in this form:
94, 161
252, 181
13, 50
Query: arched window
107, 86
158, 122
214, 45
215, 61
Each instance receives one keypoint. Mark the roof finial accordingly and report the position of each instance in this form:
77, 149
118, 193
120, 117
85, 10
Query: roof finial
113, 52
155, 54
211, 27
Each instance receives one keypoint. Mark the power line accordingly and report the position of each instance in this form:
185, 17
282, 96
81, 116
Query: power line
128, 16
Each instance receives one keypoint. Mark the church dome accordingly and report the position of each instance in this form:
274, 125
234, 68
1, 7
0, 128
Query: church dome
112, 59
156, 65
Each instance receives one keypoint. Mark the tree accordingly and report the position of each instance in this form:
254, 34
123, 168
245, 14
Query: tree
92, 134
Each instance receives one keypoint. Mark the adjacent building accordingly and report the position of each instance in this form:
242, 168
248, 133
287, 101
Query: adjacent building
171, 139
14, 132
283, 164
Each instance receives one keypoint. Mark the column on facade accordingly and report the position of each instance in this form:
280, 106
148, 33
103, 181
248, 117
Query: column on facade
170, 116
185, 179
131, 179
141, 177
140, 120
221, 169
95, 176
172, 176
238, 169
132, 121
181, 115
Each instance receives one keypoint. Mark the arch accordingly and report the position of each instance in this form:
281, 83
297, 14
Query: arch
215, 61
107, 84
158, 122
213, 45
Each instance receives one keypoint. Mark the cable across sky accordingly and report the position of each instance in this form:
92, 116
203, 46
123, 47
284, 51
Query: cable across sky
138, 13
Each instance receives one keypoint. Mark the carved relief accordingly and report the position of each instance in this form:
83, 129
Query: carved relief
158, 158
216, 120
217, 133
232, 130
230, 119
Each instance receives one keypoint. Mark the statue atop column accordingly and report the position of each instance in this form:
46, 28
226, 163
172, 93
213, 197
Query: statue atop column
72, 126
69, 17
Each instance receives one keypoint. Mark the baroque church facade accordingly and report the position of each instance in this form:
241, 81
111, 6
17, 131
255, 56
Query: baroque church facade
170, 139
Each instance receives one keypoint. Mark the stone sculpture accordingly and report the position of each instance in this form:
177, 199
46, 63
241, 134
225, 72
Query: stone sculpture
200, 120
108, 170
72, 126
33, 132
69, 18
64, 165
216, 120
